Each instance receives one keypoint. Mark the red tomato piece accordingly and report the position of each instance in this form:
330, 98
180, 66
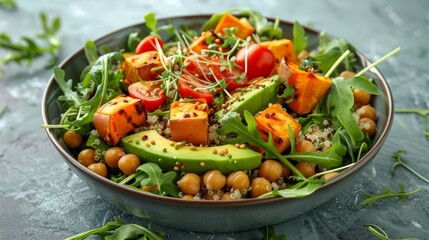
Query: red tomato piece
187, 88
260, 61
150, 92
149, 44
233, 77
199, 67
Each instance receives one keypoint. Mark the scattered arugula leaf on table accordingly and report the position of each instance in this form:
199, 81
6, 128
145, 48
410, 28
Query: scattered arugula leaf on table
119, 230
8, 4
387, 193
270, 234
381, 234
29, 49
422, 112
400, 162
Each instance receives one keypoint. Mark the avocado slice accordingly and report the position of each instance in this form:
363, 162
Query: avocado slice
150, 146
254, 97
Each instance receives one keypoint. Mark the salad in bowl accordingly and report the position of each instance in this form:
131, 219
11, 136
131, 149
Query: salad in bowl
234, 110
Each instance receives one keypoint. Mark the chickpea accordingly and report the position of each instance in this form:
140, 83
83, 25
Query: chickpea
213, 196
307, 169
361, 97
367, 126
72, 139
112, 156
214, 180
271, 170
347, 74
366, 111
188, 197
260, 186
99, 168
190, 184
305, 146
238, 180
128, 163
86, 157
286, 172
227, 197
329, 175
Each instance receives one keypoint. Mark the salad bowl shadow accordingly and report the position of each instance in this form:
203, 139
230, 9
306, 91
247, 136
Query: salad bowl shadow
207, 215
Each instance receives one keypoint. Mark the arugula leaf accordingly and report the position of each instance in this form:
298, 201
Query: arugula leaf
299, 38
387, 193
164, 181
329, 51
340, 102
331, 158
98, 144
80, 111
30, 49
8, 4
118, 229
310, 187
400, 162
231, 124
102, 231
288, 93
134, 231
270, 234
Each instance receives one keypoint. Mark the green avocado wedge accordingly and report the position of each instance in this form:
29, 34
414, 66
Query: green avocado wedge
150, 146
254, 97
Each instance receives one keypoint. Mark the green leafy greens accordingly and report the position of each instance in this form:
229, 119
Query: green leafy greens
270, 234
29, 49
299, 38
80, 107
119, 230
8, 4
150, 174
387, 193
400, 162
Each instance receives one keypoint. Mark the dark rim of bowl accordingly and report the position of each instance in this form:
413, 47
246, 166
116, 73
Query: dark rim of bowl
376, 145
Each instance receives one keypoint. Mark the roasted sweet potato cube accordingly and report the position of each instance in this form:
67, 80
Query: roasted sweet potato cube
282, 48
139, 67
118, 117
189, 121
310, 88
275, 120
244, 29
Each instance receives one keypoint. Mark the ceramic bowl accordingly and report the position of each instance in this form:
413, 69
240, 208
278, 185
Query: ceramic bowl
208, 216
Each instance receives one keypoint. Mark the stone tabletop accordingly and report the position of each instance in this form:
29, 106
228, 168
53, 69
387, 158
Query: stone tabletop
40, 198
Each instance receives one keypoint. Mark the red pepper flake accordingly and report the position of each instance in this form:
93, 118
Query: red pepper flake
144, 137
186, 115
152, 142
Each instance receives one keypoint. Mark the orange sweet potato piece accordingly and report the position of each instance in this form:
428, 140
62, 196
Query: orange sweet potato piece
138, 67
118, 117
200, 43
244, 29
276, 120
282, 48
189, 121
310, 88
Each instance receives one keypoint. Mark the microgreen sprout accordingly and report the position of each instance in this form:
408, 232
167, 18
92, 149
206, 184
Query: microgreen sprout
400, 162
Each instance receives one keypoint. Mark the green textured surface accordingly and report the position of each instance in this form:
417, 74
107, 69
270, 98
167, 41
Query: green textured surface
40, 199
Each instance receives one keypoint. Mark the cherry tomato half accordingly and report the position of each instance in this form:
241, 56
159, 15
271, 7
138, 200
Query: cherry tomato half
199, 67
149, 44
187, 85
233, 77
150, 92
260, 61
